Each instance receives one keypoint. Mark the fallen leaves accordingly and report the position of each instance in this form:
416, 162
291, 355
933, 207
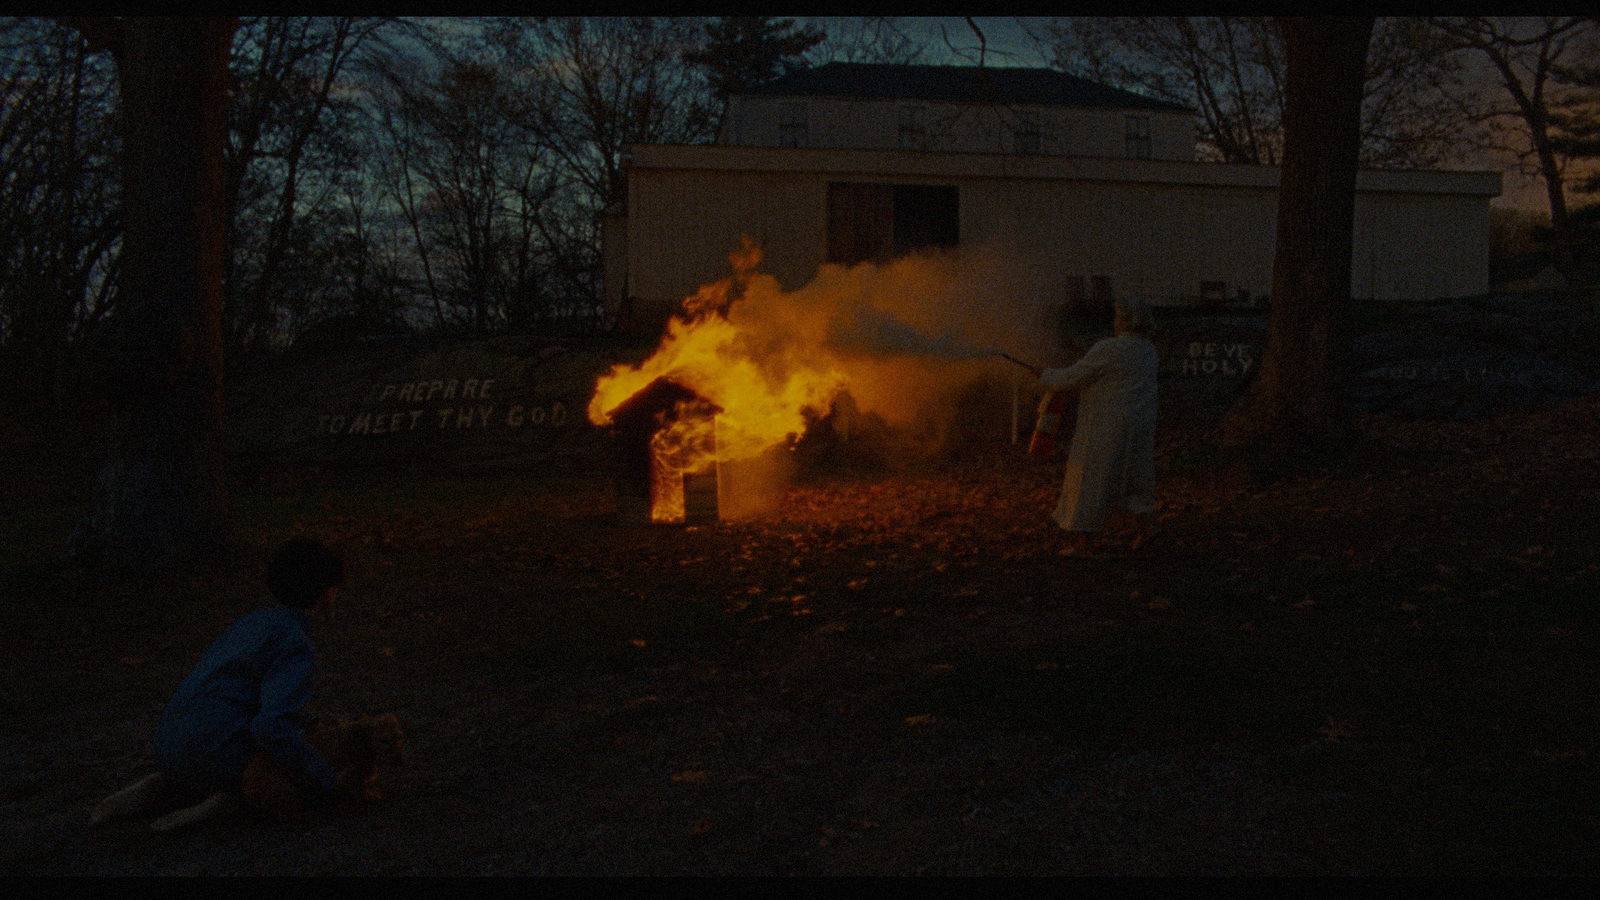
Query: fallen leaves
696, 776
923, 719
1558, 756
1335, 732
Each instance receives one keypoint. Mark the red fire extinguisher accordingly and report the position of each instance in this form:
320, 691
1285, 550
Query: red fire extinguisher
1043, 442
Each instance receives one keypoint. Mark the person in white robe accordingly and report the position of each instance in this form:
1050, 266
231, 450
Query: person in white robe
1111, 465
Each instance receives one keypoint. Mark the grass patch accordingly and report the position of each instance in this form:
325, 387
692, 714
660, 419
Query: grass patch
1457, 740
617, 634
1124, 691
30, 538
1431, 704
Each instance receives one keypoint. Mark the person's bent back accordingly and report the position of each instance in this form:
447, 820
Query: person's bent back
248, 689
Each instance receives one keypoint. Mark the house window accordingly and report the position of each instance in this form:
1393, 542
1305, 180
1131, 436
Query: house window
913, 128
880, 221
1137, 131
1025, 133
792, 125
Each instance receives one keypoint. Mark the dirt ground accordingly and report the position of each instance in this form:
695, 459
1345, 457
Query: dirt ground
1380, 664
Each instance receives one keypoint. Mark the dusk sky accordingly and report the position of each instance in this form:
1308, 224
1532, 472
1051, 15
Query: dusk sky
1010, 44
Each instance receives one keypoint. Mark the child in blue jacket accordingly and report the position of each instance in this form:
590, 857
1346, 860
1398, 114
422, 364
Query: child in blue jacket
245, 694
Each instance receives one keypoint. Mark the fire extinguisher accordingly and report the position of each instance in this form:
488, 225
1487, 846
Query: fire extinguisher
1043, 442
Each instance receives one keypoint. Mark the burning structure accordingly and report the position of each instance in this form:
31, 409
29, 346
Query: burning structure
722, 388
746, 367
664, 438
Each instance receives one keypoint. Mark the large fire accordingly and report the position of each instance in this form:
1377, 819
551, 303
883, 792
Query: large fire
896, 335
764, 374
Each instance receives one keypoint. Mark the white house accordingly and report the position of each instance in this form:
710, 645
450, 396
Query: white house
1084, 185
956, 109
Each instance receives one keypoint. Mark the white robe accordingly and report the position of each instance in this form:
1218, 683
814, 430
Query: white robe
1111, 466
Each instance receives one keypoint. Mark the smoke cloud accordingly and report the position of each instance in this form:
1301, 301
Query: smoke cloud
916, 339
904, 353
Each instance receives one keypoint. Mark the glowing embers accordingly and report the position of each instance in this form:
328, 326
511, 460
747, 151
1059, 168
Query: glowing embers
666, 444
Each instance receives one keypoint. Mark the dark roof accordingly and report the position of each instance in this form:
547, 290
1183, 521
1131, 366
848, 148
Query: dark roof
639, 411
961, 84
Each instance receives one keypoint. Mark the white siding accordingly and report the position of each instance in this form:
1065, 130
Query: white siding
1156, 228
837, 122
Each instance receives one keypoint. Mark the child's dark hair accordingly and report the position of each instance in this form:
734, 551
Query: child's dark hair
301, 571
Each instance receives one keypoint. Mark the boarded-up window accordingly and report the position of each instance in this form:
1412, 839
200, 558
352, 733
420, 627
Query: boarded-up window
1089, 302
1025, 133
860, 222
1137, 133
880, 221
792, 130
925, 215
913, 133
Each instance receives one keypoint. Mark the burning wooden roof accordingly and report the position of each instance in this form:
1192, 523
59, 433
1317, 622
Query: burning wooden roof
665, 473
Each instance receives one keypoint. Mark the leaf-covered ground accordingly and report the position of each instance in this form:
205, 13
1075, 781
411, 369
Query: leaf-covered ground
1384, 663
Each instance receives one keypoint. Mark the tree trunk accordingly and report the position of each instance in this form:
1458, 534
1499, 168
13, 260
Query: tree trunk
1299, 397
161, 496
1537, 117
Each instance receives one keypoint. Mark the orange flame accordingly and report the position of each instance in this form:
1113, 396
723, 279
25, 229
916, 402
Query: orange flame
900, 335
764, 370
687, 447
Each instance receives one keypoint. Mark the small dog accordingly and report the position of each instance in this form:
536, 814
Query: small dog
361, 745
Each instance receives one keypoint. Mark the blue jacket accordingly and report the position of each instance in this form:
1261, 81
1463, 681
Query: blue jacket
245, 693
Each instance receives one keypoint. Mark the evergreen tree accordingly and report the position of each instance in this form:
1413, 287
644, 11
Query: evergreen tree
1575, 135
742, 51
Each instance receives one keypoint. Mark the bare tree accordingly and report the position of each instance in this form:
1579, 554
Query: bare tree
595, 84
1576, 138
472, 182
866, 39
1576, 123
1229, 69
58, 202
1417, 104
290, 130
1526, 53
588, 87
397, 147
1421, 107
1299, 396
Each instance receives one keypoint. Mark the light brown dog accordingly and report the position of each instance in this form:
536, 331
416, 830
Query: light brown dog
361, 746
